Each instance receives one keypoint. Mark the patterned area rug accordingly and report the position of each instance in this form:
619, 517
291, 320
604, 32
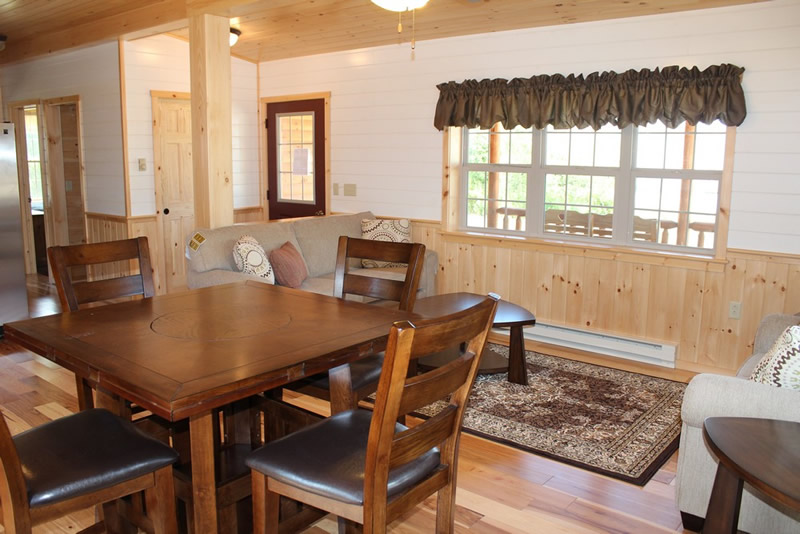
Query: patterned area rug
621, 424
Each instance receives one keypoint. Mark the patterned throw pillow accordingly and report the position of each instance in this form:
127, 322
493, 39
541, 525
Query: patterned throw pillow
396, 230
250, 258
780, 366
290, 269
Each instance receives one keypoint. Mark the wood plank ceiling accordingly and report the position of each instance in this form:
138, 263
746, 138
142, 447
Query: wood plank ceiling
277, 29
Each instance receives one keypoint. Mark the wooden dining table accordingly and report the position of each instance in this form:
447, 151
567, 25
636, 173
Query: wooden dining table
183, 355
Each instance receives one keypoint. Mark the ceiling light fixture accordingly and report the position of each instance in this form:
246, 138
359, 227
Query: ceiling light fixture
401, 6
234, 36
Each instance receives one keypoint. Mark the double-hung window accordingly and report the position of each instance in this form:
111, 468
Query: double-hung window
652, 186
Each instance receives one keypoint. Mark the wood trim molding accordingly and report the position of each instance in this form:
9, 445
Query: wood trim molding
725, 192
123, 108
71, 99
107, 217
177, 95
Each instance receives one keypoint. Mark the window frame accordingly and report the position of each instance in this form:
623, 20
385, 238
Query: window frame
456, 187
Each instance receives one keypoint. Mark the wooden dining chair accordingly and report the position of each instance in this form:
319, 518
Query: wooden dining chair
344, 386
364, 466
74, 293
89, 458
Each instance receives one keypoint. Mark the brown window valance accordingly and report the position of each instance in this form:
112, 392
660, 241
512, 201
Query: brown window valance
671, 95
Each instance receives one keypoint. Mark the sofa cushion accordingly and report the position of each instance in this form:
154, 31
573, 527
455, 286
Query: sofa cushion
217, 243
250, 258
290, 271
319, 238
393, 230
780, 366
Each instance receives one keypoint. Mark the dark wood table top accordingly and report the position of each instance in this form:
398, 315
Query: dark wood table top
508, 314
185, 353
764, 452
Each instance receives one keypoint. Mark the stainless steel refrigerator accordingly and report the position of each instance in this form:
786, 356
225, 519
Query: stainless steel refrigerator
13, 296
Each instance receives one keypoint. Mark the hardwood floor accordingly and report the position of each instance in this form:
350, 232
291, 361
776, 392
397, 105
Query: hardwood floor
500, 489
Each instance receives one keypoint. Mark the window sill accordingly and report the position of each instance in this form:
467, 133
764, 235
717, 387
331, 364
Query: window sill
622, 254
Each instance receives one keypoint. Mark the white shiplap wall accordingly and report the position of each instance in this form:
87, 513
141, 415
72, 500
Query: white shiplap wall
382, 103
93, 74
161, 63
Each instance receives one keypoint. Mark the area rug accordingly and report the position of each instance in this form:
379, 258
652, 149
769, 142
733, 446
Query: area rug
621, 424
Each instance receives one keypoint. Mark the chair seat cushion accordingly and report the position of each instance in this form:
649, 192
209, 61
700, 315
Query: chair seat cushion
327, 458
362, 373
85, 452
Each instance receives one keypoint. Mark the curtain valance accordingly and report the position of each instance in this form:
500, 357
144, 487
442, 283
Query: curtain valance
671, 95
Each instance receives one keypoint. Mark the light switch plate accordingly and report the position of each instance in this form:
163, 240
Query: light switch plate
142, 164
349, 190
336, 189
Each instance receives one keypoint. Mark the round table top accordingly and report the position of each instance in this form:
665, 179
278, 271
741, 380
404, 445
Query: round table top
764, 452
508, 314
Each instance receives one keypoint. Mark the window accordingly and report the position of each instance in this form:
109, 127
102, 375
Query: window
649, 186
34, 157
296, 157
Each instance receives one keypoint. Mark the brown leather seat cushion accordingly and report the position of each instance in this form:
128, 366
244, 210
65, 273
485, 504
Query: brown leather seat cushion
85, 452
327, 458
362, 372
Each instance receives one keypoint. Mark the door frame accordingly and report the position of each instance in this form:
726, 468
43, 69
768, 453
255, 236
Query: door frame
264, 139
158, 178
59, 235
16, 113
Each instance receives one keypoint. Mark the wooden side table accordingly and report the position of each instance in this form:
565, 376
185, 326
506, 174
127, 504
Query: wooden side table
508, 316
763, 452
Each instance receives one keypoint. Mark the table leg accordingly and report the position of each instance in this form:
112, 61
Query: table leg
517, 370
201, 435
722, 515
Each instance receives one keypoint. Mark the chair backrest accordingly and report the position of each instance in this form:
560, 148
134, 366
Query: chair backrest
405, 291
13, 493
74, 293
398, 395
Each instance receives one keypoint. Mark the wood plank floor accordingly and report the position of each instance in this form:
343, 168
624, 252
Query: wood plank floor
500, 489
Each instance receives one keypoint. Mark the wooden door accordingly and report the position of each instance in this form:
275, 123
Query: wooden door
296, 158
172, 156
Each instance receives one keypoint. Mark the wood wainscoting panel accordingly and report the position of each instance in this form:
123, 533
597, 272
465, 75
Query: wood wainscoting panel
102, 227
679, 301
147, 226
249, 215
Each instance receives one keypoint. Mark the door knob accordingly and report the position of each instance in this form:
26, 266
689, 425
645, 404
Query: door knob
166, 211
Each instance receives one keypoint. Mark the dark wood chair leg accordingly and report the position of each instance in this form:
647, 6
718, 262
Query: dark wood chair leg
161, 504
349, 527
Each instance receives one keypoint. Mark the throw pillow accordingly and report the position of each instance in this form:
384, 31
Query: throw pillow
290, 269
780, 366
250, 258
395, 230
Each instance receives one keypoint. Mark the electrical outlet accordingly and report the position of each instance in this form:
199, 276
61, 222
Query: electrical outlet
735, 310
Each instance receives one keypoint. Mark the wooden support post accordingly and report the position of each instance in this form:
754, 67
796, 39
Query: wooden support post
212, 159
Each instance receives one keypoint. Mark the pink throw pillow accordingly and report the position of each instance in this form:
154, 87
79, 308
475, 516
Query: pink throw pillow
288, 265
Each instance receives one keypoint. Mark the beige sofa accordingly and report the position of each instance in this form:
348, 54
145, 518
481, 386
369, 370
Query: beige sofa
711, 395
316, 238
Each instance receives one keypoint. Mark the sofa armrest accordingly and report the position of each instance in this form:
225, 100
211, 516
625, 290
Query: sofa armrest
430, 268
215, 277
770, 328
711, 395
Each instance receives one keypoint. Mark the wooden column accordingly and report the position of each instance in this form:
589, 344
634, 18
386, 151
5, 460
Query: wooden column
212, 161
